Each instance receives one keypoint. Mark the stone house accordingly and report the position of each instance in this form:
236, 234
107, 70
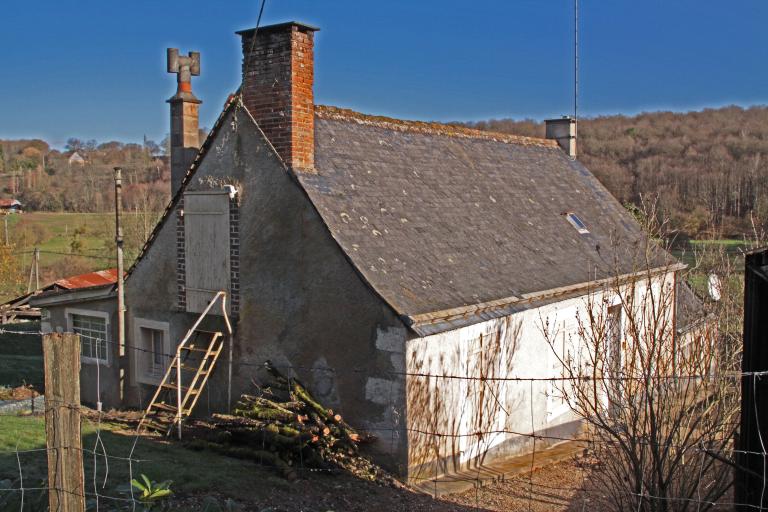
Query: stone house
10, 205
375, 258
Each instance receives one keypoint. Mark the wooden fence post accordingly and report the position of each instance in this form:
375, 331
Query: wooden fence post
62, 422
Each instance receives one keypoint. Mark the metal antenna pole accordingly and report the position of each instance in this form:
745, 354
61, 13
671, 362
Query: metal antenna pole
576, 60
120, 278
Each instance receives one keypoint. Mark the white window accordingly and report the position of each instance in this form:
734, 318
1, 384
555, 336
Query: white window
560, 389
614, 341
153, 350
93, 328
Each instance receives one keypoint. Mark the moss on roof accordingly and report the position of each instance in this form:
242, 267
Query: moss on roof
432, 128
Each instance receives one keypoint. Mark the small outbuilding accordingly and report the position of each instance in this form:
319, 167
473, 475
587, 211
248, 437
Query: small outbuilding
10, 205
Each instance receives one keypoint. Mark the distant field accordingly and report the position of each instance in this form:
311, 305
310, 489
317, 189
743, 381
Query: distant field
54, 234
70, 243
733, 247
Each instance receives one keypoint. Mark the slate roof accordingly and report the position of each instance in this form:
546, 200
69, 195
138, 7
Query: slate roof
450, 225
437, 218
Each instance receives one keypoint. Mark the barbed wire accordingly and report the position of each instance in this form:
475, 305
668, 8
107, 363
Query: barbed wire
100, 456
445, 376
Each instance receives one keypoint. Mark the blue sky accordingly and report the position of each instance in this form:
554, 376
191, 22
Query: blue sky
96, 68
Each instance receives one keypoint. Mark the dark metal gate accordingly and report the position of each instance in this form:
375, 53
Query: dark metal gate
753, 437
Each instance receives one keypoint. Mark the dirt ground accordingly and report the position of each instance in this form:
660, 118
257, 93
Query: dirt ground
553, 488
559, 487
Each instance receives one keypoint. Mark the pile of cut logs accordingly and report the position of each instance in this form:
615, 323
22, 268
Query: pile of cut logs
282, 425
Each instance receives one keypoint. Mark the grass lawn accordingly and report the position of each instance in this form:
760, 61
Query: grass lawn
21, 356
727, 242
194, 473
54, 233
733, 248
70, 243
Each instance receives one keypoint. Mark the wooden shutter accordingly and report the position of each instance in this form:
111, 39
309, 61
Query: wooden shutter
206, 246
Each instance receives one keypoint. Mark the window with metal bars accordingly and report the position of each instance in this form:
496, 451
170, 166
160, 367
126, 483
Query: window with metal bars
93, 336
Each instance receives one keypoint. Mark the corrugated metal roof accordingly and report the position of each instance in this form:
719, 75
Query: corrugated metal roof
89, 280
7, 203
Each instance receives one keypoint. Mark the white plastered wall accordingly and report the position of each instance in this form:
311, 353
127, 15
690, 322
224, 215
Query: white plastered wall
455, 423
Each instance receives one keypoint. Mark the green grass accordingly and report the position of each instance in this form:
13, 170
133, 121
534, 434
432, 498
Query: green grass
54, 233
193, 472
21, 356
727, 242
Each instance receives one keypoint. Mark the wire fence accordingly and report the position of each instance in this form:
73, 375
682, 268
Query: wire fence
104, 463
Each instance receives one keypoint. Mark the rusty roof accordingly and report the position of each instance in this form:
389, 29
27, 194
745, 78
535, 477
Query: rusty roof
89, 280
7, 203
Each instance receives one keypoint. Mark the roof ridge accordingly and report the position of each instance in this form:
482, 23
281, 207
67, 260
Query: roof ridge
434, 128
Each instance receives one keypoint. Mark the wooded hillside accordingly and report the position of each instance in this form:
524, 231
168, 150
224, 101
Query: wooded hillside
708, 169
45, 179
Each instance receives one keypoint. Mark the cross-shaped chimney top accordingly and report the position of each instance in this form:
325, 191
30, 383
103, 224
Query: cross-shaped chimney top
185, 68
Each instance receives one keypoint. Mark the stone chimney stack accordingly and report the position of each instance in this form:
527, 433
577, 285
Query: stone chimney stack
278, 77
564, 132
185, 138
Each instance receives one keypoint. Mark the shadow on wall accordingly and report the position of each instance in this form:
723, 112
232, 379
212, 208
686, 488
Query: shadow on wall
457, 406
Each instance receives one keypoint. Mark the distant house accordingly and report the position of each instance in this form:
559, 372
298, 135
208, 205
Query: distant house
76, 159
377, 258
10, 206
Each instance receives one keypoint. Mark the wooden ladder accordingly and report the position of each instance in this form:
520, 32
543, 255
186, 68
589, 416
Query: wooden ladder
178, 393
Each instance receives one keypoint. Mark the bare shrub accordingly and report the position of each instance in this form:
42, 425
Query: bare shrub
660, 403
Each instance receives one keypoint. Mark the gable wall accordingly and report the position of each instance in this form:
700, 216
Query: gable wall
301, 304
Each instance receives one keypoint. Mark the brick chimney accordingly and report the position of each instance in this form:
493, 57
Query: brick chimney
185, 138
278, 77
564, 132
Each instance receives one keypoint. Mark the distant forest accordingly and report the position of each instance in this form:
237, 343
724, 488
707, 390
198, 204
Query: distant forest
80, 178
708, 170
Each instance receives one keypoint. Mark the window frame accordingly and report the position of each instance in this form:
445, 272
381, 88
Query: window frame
141, 372
557, 403
70, 312
577, 222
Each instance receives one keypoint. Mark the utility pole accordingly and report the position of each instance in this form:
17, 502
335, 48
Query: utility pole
120, 278
34, 268
37, 268
7, 241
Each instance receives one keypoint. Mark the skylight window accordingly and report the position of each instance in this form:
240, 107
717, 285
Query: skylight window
577, 223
